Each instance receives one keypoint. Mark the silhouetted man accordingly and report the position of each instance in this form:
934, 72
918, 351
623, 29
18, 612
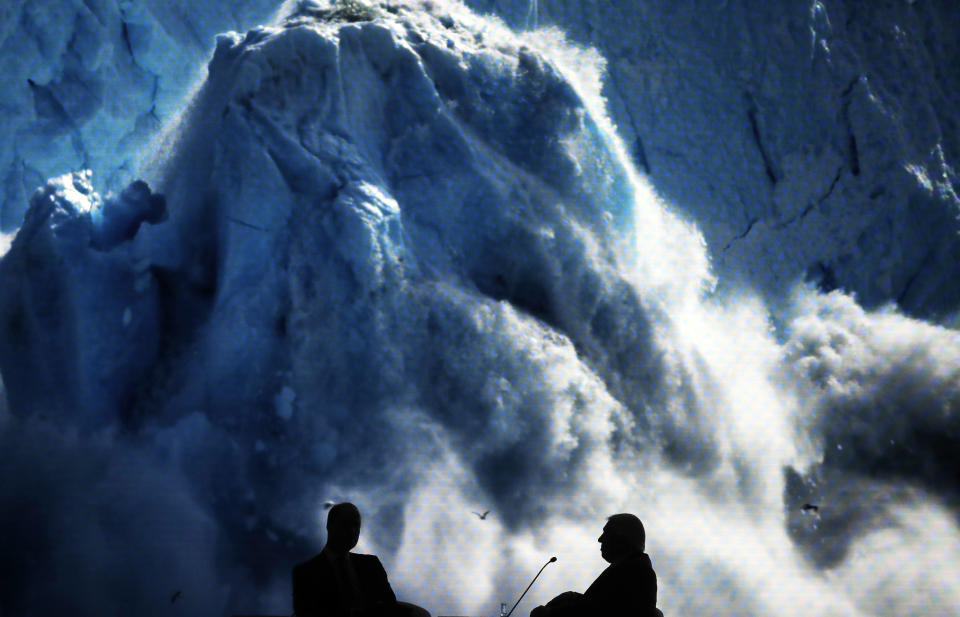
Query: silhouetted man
627, 588
338, 583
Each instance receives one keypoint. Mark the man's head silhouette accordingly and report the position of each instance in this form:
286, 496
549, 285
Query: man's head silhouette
622, 536
343, 527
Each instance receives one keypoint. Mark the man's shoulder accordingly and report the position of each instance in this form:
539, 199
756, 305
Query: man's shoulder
627, 572
365, 559
638, 561
320, 562
310, 564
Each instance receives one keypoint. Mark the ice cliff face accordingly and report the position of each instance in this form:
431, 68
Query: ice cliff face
358, 187
405, 232
86, 83
808, 139
78, 356
335, 192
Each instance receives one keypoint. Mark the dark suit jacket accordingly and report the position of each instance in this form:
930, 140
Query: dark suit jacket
625, 589
628, 588
315, 592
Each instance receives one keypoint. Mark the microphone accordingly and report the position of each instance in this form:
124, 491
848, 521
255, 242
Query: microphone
552, 559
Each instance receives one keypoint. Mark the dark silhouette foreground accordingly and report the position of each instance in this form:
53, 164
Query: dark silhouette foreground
338, 583
627, 588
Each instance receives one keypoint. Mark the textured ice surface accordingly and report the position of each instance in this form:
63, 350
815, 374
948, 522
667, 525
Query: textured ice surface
379, 233
80, 312
809, 140
812, 140
86, 82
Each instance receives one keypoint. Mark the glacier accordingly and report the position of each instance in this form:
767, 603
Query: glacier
401, 254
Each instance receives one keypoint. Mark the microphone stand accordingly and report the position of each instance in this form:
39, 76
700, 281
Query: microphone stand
552, 559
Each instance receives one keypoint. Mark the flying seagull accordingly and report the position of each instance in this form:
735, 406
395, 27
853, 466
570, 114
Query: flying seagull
328, 504
809, 507
483, 516
176, 596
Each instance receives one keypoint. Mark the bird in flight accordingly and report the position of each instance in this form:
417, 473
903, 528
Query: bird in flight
809, 507
176, 596
483, 516
328, 504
